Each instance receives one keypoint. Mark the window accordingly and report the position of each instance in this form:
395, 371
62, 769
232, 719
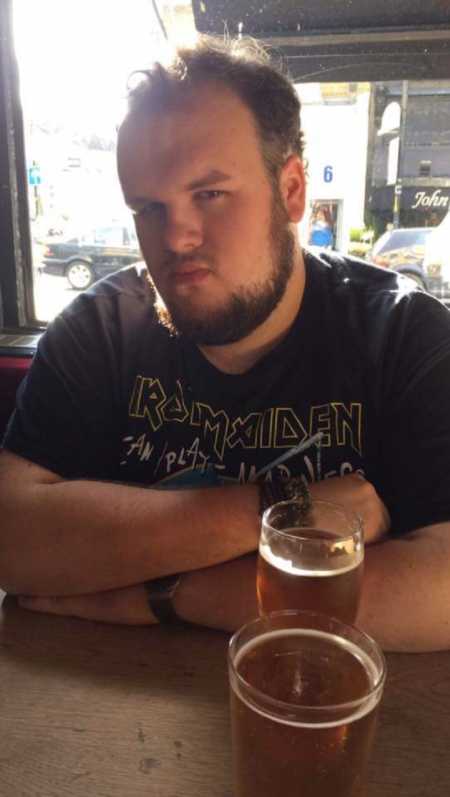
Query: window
109, 236
74, 62
377, 136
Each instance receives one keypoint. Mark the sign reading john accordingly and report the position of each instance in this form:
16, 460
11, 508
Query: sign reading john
426, 198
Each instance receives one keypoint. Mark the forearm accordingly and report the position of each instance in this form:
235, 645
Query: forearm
221, 597
405, 602
405, 598
76, 537
84, 537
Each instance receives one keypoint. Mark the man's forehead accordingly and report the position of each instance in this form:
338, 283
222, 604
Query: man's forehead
196, 118
215, 133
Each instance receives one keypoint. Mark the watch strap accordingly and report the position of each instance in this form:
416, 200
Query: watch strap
293, 489
160, 594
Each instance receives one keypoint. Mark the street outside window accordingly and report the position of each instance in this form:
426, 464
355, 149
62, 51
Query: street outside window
377, 154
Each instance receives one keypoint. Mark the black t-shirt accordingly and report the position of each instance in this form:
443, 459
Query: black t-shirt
112, 395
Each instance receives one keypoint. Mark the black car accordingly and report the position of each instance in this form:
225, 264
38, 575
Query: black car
86, 258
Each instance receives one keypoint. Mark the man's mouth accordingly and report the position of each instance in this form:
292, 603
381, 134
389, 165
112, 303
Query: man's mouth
189, 272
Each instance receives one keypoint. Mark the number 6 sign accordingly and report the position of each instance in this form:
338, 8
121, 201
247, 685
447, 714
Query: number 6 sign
328, 174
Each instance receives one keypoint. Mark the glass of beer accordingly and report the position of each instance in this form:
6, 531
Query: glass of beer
304, 692
310, 559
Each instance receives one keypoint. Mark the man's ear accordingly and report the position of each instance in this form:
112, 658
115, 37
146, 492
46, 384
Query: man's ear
293, 188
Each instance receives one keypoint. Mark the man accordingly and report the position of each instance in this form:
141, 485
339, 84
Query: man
253, 347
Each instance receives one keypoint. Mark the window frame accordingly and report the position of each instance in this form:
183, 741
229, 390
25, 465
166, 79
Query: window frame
16, 279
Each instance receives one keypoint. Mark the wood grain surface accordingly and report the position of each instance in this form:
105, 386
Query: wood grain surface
92, 710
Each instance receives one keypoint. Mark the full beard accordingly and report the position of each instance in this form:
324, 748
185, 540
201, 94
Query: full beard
248, 307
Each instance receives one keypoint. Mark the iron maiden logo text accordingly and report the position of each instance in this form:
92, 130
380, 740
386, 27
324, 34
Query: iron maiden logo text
275, 428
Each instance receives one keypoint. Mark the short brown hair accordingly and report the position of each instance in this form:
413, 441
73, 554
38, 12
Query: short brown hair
243, 66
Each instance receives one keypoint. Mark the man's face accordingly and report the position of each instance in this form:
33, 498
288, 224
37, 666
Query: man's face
213, 231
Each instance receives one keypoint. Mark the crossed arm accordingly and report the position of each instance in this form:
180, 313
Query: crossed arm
84, 548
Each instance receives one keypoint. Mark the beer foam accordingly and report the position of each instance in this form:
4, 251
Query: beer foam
287, 566
365, 705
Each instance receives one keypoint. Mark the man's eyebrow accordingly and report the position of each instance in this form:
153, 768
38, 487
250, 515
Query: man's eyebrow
211, 178
214, 176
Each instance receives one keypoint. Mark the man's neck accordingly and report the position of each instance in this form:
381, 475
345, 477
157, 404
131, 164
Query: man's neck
239, 357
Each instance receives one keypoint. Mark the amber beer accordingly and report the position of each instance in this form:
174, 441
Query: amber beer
303, 706
308, 567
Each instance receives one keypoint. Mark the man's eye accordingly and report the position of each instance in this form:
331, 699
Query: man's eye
209, 195
148, 210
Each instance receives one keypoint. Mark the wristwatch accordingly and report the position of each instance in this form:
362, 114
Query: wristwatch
160, 595
293, 489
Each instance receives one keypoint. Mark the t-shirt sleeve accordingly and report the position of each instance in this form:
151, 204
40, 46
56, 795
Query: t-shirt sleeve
415, 419
65, 417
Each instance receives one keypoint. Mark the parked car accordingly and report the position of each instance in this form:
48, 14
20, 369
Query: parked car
421, 253
403, 250
436, 263
86, 258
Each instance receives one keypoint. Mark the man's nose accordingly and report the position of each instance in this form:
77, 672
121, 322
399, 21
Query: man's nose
182, 231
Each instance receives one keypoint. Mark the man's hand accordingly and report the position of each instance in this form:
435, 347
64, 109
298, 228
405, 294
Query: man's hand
128, 606
355, 493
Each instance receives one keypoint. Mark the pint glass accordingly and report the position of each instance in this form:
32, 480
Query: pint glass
310, 560
304, 692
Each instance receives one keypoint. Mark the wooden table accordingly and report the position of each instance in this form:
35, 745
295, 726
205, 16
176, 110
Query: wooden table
107, 711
